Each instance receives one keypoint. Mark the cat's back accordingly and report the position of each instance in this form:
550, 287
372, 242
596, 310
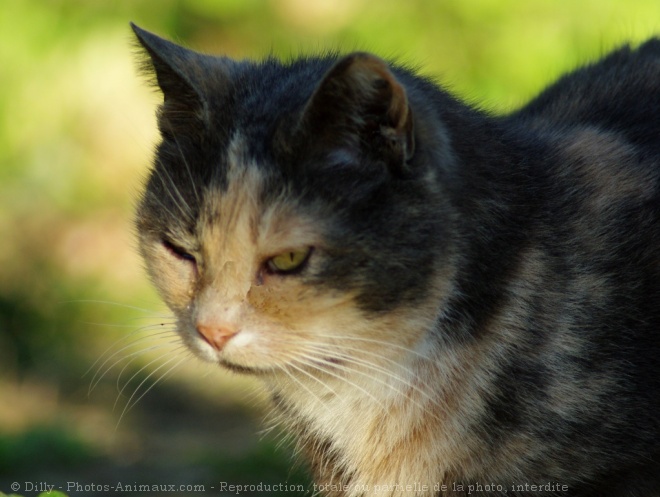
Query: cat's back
601, 126
589, 173
620, 93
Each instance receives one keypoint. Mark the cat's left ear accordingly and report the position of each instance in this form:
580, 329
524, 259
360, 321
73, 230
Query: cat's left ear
360, 107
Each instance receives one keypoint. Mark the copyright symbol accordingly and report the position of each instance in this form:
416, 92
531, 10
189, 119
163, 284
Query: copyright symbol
15, 486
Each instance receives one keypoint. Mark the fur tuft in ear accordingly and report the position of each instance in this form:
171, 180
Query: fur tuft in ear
361, 108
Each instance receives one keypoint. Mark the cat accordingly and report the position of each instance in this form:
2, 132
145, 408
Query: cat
438, 300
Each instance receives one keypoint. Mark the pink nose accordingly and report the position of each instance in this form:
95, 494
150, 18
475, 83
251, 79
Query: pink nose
216, 336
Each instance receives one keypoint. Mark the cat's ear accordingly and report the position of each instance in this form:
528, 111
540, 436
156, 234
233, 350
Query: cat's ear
360, 107
177, 73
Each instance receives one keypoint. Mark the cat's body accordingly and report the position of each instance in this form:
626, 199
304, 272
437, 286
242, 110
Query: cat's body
465, 299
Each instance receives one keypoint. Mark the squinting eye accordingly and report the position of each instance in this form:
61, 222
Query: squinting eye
289, 262
178, 251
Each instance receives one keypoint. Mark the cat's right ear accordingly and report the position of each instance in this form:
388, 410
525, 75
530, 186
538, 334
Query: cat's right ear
176, 71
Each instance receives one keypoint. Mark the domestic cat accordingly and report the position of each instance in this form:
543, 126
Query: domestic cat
439, 301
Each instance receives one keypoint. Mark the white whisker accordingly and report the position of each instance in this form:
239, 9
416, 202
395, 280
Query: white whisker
122, 339
293, 377
150, 330
372, 377
193, 183
181, 204
118, 304
301, 370
377, 342
130, 403
98, 376
131, 326
313, 363
146, 366
336, 354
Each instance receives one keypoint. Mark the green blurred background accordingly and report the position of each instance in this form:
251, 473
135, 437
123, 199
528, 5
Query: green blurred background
76, 133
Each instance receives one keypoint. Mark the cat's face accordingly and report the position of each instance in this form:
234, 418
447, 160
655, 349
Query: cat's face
252, 268
280, 238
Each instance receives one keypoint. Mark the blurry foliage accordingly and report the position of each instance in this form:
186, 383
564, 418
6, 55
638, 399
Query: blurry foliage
77, 128
49, 447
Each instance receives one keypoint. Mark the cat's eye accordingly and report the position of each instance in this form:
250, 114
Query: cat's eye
289, 262
178, 251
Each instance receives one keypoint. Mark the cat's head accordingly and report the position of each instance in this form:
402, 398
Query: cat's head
294, 217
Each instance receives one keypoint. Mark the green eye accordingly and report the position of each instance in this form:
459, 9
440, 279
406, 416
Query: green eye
288, 262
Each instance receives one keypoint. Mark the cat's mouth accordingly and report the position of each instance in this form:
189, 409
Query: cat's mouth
237, 368
325, 365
